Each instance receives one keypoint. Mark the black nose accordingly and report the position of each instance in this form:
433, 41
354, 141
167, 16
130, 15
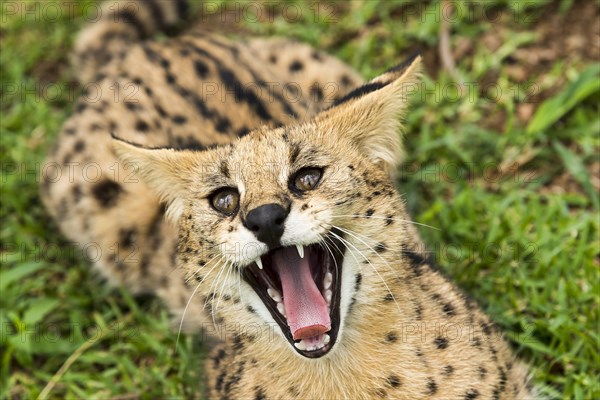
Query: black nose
267, 223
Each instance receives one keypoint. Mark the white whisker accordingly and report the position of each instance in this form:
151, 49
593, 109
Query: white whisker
215, 284
189, 302
196, 272
183, 315
229, 267
386, 218
324, 242
240, 287
369, 261
212, 268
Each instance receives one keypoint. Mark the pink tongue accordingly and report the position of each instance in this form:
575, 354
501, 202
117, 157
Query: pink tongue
305, 307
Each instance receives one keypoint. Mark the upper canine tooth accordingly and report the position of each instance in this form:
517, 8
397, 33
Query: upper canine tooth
300, 250
275, 295
258, 262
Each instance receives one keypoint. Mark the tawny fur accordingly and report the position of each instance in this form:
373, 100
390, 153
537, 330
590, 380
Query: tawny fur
407, 332
153, 94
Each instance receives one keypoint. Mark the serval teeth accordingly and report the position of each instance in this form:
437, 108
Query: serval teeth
328, 295
327, 280
281, 309
300, 345
274, 294
300, 249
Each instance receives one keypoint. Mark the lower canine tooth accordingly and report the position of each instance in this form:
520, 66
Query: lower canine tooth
326, 338
300, 345
274, 294
300, 250
258, 262
328, 294
281, 309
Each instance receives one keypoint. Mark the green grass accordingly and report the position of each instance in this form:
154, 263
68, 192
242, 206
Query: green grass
514, 199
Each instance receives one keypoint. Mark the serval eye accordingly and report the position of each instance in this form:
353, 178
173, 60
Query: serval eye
226, 200
307, 179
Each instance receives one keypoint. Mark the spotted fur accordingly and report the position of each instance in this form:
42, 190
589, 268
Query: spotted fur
407, 332
194, 91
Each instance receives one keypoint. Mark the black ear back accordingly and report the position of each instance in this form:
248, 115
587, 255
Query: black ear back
359, 92
378, 82
400, 68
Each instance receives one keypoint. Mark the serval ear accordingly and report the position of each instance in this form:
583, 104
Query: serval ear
168, 172
370, 116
